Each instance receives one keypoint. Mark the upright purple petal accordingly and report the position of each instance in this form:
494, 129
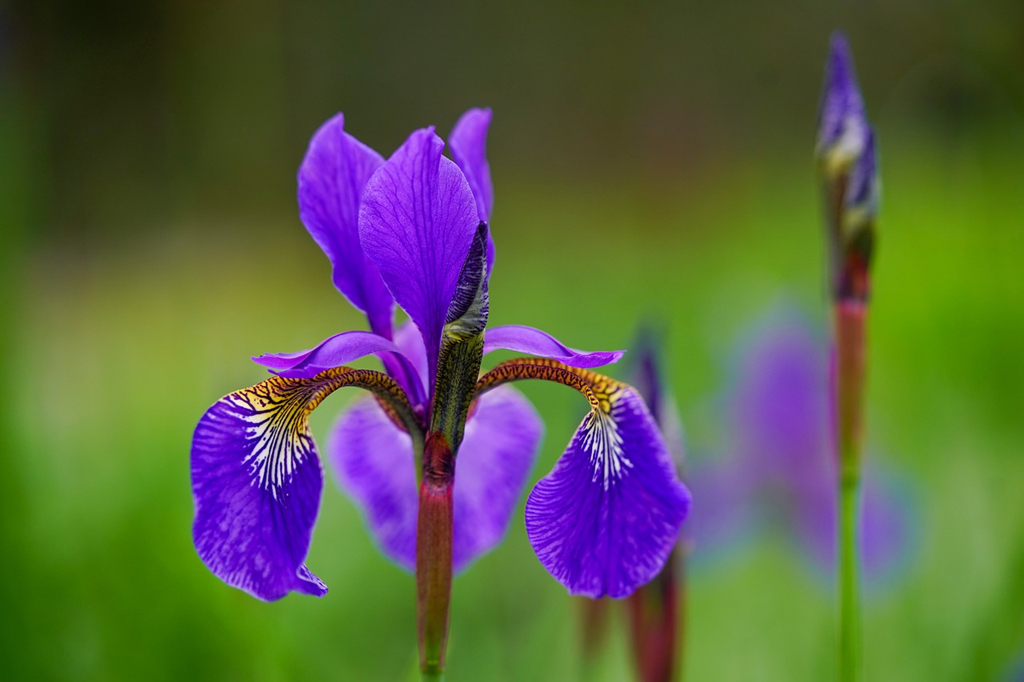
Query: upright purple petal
491, 470
342, 349
373, 462
257, 480
416, 224
468, 146
522, 339
604, 521
331, 182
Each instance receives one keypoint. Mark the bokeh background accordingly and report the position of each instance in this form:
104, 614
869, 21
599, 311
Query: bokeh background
650, 159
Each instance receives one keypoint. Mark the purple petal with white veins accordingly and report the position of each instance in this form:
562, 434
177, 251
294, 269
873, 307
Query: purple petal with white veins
523, 339
332, 177
416, 224
373, 462
604, 521
468, 146
342, 349
257, 481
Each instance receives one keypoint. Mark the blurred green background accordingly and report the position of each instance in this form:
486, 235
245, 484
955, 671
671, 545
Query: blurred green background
650, 160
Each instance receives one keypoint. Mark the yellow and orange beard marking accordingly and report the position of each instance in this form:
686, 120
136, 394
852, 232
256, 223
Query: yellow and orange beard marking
601, 438
276, 412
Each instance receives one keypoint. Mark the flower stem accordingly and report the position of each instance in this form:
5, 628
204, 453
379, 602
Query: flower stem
849, 589
657, 623
434, 555
849, 405
593, 635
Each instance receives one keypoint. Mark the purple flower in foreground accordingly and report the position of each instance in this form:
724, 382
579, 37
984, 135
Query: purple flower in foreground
782, 463
438, 457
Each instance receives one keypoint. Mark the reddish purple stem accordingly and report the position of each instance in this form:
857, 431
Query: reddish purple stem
434, 554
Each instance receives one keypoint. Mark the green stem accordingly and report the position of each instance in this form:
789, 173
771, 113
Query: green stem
432, 675
849, 582
594, 633
849, 405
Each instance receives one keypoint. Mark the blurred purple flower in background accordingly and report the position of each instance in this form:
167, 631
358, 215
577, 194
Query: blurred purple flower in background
780, 468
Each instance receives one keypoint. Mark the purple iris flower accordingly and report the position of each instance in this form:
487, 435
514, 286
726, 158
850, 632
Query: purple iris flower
413, 230
781, 467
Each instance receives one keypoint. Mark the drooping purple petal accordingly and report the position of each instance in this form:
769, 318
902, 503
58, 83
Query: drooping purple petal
257, 481
342, 349
468, 146
416, 224
373, 461
523, 339
491, 470
604, 521
331, 182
